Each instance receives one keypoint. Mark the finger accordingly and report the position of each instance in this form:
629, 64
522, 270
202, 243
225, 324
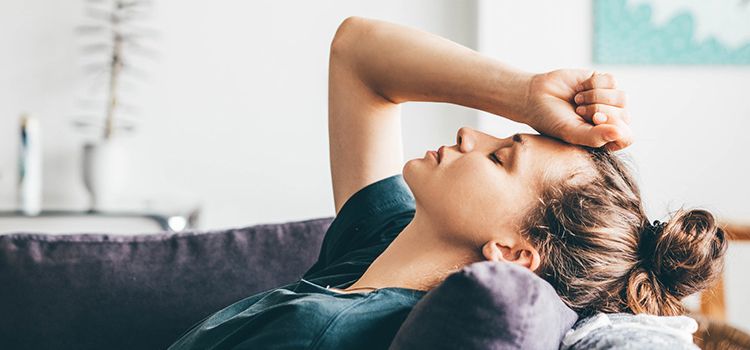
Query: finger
610, 97
600, 113
598, 81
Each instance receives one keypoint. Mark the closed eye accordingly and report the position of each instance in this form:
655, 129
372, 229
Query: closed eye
495, 158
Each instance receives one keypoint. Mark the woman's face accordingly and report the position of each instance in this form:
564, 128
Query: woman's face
479, 188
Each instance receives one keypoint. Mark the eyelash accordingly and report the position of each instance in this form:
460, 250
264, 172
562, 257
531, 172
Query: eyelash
495, 159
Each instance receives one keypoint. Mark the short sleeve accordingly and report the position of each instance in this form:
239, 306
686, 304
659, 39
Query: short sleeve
366, 224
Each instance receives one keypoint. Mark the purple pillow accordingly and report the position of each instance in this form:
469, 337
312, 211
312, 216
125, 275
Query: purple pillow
487, 305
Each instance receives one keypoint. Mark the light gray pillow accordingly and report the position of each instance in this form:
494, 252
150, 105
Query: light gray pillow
628, 331
487, 305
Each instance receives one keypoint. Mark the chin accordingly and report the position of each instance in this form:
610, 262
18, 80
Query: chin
408, 171
417, 169
415, 174
419, 177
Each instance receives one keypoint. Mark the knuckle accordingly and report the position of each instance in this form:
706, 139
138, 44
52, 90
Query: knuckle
609, 99
608, 79
588, 110
588, 96
597, 80
599, 96
585, 109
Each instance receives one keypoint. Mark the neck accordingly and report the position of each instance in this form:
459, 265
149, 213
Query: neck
416, 259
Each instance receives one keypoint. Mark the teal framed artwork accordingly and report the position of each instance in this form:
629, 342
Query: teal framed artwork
671, 32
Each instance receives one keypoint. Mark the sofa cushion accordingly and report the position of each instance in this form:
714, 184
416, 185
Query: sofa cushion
96, 291
487, 305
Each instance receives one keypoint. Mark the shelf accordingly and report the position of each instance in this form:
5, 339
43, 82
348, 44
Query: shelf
106, 222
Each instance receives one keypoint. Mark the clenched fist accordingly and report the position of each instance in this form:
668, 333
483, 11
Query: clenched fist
580, 107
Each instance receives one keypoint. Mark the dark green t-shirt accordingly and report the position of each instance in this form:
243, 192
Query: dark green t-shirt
307, 315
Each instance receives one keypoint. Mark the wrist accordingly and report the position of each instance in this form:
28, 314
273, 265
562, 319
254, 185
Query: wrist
521, 107
512, 94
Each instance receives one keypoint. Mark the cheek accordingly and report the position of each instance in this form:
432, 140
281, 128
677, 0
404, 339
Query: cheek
470, 196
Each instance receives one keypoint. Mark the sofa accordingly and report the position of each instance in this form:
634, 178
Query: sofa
142, 291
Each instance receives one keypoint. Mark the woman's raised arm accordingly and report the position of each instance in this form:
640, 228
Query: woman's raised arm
376, 65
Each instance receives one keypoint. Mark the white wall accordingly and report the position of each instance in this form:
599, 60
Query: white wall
690, 122
233, 114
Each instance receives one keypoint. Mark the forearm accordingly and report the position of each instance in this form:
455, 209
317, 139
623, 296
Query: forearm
404, 64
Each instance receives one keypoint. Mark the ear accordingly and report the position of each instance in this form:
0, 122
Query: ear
521, 254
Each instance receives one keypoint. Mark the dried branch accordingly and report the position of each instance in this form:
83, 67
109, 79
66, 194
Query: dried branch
117, 35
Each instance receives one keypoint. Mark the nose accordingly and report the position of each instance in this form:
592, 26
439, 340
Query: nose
466, 139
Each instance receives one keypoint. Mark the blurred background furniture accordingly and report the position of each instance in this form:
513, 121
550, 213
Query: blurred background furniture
719, 335
713, 301
714, 331
113, 222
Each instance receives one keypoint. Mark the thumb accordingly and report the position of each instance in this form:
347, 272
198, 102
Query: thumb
592, 135
580, 76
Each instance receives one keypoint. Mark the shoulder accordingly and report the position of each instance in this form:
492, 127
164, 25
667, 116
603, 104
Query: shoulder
389, 193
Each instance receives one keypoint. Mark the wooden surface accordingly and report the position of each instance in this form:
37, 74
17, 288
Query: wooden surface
737, 232
713, 301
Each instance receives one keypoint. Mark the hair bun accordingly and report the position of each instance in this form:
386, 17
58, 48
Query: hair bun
647, 242
684, 254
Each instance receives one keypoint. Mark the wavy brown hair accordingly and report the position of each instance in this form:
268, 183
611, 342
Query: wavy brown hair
601, 253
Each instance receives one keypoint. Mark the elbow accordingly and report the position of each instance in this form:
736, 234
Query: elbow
346, 35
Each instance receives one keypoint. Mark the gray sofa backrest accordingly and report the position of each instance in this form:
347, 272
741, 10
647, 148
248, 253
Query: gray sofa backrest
142, 291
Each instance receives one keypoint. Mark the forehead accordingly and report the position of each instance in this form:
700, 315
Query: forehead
553, 159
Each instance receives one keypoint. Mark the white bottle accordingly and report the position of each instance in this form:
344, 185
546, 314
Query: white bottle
30, 167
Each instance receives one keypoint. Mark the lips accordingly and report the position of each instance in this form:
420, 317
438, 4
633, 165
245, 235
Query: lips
441, 153
431, 153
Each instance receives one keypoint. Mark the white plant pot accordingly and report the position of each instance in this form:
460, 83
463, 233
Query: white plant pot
104, 172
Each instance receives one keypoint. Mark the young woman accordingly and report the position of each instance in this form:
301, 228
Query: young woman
560, 203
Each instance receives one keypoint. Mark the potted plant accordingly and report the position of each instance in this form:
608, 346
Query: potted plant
117, 37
